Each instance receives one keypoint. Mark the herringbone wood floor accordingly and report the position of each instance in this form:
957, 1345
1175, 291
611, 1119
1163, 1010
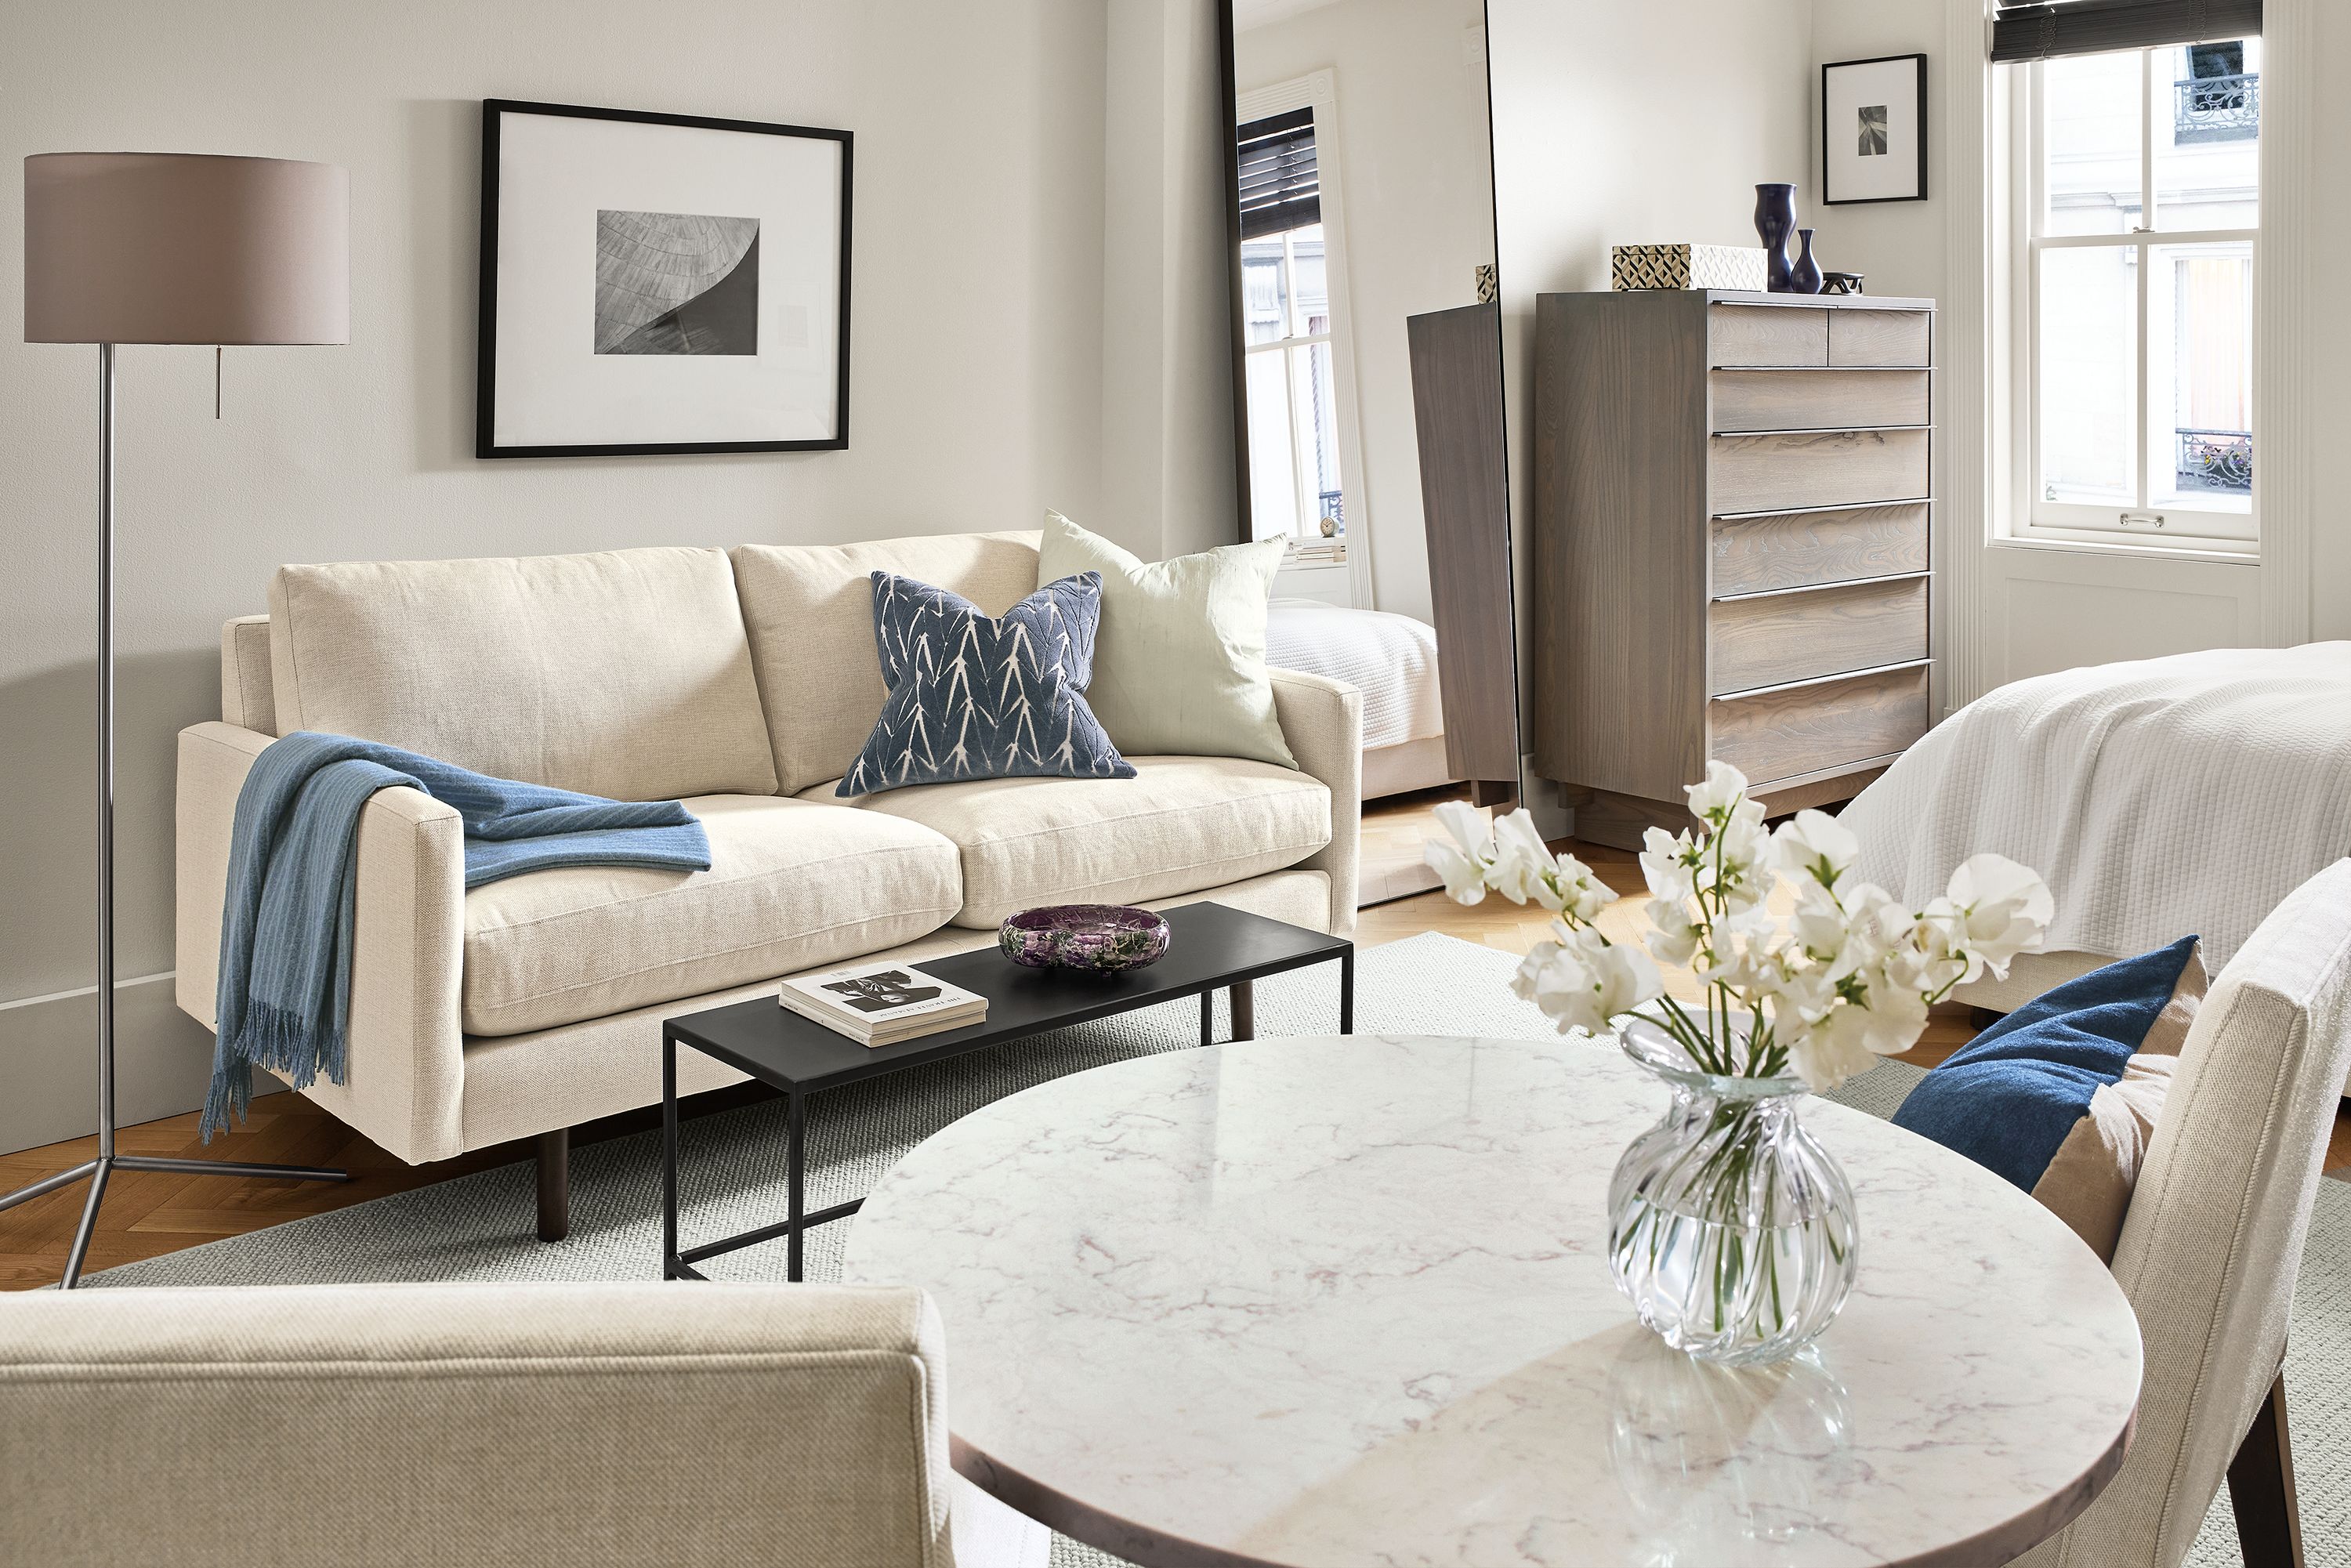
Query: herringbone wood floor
147, 1214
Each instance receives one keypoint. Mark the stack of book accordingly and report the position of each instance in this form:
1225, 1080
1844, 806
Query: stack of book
883, 1004
1318, 553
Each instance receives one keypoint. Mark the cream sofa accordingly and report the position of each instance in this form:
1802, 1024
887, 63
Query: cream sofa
743, 682
513, 1425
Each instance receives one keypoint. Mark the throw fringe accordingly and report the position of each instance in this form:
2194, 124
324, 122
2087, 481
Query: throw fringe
295, 1047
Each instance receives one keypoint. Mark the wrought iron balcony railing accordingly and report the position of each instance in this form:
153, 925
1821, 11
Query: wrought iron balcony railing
2216, 108
2217, 460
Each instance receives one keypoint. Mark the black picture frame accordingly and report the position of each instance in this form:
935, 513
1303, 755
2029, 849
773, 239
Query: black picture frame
1828, 188
485, 444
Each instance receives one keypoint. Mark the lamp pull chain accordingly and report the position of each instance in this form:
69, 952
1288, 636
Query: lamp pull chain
216, 379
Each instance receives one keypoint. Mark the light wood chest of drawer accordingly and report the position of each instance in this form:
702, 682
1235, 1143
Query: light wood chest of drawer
1732, 549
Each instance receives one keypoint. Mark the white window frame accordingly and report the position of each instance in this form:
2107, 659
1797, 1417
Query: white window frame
2226, 535
1320, 92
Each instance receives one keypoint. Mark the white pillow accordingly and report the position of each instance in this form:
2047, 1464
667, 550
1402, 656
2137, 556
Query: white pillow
1179, 656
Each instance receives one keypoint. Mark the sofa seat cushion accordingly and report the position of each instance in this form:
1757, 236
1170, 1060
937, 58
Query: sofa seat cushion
1181, 824
792, 884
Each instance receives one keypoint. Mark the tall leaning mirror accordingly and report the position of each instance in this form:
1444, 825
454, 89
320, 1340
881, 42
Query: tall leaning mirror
1368, 389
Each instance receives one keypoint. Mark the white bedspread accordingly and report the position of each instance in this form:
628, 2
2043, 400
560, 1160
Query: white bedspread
1392, 657
2159, 798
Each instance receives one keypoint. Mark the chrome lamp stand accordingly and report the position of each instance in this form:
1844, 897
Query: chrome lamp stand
109, 1161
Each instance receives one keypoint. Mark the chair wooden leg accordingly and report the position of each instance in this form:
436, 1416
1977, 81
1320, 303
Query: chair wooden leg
555, 1184
2261, 1489
1244, 996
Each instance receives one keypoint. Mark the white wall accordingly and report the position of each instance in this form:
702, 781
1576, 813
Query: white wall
978, 383
1415, 182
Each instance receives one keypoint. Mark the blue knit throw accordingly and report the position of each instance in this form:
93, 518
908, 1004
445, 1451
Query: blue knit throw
293, 886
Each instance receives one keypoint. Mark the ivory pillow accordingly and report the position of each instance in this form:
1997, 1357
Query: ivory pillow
1179, 657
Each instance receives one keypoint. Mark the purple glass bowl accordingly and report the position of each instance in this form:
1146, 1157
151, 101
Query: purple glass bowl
1092, 938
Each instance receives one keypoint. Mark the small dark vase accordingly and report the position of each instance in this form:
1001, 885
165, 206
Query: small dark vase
1775, 220
1805, 277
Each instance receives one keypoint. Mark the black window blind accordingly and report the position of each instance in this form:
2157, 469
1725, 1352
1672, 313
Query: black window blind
1280, 189
2040, 32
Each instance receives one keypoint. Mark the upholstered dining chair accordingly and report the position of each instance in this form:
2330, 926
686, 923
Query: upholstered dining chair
513, 1424
2212, 1241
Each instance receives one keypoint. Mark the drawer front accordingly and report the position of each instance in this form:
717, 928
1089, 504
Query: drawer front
1818, 400
1796, 550
1818, 632
1792, 473
1881, 338
1766, 335
1807, 729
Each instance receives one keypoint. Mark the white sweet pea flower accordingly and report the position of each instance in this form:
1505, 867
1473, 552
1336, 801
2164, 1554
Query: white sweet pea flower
1464, 861
1737, 860
1830, 1051
1668, 865
1713, 800
1522, 862
1582, 982
1673, 936
1816, 847
1581, 895
2000, 909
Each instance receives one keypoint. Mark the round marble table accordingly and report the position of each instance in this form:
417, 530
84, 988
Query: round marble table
1345, 1300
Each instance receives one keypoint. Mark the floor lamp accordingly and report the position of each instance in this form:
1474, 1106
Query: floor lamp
169, 247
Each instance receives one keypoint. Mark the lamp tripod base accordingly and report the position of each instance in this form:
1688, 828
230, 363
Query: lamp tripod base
99, 1169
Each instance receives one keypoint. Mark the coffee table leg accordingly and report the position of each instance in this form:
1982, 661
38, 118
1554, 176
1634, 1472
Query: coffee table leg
1207, 1017
669, 1158
795, 1135
1245, 1010
1347, 991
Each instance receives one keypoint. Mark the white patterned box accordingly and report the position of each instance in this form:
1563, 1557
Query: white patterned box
1687, 267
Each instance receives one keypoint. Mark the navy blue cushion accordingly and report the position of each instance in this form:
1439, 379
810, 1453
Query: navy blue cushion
974, 697
2011, 1096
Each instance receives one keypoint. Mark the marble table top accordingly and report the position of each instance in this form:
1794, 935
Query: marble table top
1345, 1300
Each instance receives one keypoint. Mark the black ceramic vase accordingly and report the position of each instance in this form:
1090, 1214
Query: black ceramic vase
1775, 220
1805, 277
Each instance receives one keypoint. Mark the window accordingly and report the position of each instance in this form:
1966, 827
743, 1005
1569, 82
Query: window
2140, 171
1296, 488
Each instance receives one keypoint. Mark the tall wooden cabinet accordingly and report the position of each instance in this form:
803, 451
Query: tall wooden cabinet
1730, 549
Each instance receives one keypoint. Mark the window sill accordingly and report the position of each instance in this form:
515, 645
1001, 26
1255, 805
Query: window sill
2216, 552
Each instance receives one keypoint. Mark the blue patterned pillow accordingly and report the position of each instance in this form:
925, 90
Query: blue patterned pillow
976, 698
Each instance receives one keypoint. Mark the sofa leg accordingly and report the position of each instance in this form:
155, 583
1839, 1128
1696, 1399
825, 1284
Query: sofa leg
555, 1184
2261, 1489
1244, 994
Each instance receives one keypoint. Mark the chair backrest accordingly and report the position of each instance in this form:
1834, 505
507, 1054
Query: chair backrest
622, 673
2214, 1236
810, 609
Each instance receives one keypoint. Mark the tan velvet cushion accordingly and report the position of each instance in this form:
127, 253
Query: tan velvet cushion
1181, 824
809, 610
624, 674
792, 884
2089, 1180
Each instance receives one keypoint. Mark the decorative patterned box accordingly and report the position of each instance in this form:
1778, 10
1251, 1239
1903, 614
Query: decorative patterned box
1687, 267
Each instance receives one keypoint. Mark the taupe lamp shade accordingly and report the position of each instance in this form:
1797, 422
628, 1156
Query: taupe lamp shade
182, 247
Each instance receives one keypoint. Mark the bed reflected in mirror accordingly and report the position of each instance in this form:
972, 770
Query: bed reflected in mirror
1368, 391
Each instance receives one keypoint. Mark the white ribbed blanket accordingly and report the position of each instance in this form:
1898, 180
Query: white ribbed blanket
1392, 658
2159, 798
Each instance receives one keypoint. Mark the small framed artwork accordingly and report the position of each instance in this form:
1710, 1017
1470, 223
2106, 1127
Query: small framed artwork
659, 283
1873, 130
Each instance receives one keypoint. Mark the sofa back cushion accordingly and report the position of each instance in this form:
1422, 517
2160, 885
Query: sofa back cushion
810, 609
624, 673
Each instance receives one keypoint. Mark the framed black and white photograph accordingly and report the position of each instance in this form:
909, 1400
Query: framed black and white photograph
660, 283
1873, 130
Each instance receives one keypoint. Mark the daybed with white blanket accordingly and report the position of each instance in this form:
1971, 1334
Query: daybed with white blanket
1393, 659
2159, 797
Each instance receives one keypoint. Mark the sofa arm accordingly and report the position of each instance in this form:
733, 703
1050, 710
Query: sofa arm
407, 1058
620, 1424
1322, 720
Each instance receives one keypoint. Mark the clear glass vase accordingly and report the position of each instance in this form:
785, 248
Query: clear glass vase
1730, 1229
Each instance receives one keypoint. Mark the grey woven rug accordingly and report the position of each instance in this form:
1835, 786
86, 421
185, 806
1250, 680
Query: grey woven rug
480, 1227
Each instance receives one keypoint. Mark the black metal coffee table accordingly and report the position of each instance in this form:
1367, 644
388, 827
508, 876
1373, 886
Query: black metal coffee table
1211, 948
